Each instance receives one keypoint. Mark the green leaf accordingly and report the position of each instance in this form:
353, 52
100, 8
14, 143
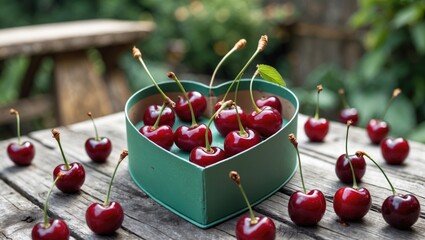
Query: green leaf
270, 74
418, 36
408, 15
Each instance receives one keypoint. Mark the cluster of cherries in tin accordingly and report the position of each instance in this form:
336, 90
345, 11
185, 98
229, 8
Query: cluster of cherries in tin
102, 218
353, 203
240, 131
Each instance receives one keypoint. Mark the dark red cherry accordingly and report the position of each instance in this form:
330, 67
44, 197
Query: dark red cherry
236, 142
187, 138
73, 178
57, 229
227, 121
343, 170
271, 101
266, 122
104, 219
162, 136
377, 130
98, 150
199, 105
349, 114
151, 114
202, 157
316, 129
352, 204
307, 209
21, 154
401, 211
264, 229
395, 150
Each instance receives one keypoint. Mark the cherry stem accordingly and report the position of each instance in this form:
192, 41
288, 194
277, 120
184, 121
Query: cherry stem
138, 55
46, 218
173, 76
156, 124
262, 43
256, 108
94, 125
341, 93
56, 135
239, 45
355, 186
319, 89
18, 124
361, 153
237, 179
294, 142
122, 156
396, 92
242, 131
223, 106
349, 122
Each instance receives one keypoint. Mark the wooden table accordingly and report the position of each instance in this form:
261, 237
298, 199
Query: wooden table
78, 86
23, 190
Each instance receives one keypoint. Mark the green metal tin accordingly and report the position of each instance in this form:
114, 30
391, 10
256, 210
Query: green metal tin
206, 196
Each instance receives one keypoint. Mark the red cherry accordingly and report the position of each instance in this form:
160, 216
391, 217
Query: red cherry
264, 229
57, 229
271, 101
162, 135
98, 150
401, 211
395, 150
349, 114
236, 142
187, 138
73, 178
198, 102
227, 121
21, 154
204, 157
307, 209
352, 204
316, 129
104, 219
343, 170
377, 130
152, 112
266, 122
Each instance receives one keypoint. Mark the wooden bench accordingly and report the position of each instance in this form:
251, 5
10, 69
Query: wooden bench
78, 86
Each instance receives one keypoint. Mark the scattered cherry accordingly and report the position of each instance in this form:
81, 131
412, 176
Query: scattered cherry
352, 203
378, 129
252, 227
105, 218
53, 228
207, 155
187, 138
98, 148
271, 101
73, 174
342, 166
347, 113
316, 128
398, 210
21, 154
163, 135
153, 111
305, 208
240, 140
267, 120
395, 150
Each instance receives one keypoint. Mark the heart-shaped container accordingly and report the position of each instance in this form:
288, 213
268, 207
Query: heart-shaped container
206, 196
